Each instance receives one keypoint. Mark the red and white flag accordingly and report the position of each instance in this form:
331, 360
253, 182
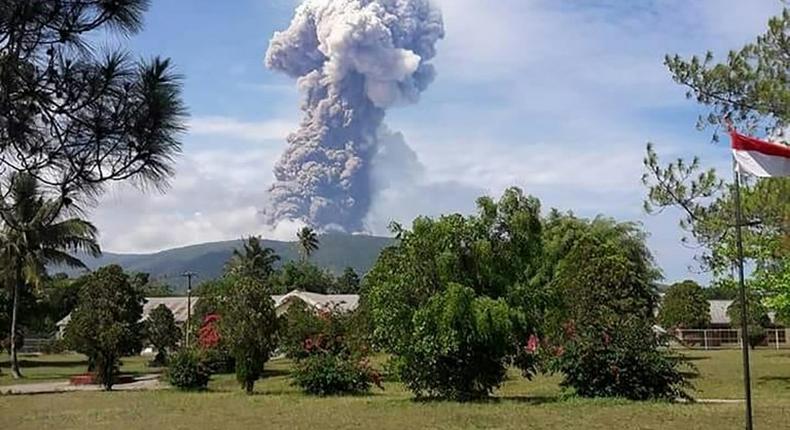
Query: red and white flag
760, 158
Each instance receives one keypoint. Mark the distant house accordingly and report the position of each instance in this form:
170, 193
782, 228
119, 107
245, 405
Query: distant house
720, 319
721, 332
178, 305
344, 302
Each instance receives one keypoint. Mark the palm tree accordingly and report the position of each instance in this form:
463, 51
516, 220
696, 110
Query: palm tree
34, 233
308, 241
253, 260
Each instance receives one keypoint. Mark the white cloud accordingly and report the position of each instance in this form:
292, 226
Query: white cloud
230, 128
556, 97
216, 195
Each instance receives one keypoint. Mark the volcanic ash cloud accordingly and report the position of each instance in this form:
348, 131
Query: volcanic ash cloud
353, 59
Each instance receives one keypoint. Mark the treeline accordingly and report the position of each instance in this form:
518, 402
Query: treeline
460, 299
56, 296
257, 261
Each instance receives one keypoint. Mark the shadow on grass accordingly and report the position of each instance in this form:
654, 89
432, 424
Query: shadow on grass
528, 400
270, 373
694, 358
36, 363
690, 374
785, 379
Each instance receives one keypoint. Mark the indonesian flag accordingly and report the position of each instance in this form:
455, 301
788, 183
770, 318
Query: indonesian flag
760, 158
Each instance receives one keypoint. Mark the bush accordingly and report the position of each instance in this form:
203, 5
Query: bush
302, 323
208, 334
757, 335
460, 346
54, 346
187, 370
215, 352
607, 291
622, 359
326, 373
218, 361
328, 360
757, 319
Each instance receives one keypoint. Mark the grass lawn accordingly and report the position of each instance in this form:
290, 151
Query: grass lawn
61, 366
519, 403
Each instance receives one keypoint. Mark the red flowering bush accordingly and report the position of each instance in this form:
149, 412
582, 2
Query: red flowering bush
328, 360
215, 355
621, 359
208, 334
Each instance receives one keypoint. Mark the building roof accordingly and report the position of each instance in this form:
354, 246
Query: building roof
178, 305
718, 311
346, 302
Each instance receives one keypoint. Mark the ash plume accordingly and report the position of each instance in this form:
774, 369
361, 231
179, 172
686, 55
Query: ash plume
352, 59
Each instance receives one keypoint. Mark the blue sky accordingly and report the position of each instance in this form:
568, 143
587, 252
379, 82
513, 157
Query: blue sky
557, 97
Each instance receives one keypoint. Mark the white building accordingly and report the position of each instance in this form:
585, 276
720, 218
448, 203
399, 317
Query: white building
178, 305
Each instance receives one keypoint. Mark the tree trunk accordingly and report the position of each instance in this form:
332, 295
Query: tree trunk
249, 386
14, 361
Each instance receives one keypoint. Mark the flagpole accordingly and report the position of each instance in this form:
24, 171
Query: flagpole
747, 383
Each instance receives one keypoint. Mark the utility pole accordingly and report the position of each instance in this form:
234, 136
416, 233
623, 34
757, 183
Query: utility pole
189, 276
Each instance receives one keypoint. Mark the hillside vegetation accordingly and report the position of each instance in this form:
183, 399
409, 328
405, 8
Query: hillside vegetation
337, 251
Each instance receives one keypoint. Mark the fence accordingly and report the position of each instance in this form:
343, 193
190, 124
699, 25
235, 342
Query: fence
34, 345
727, 338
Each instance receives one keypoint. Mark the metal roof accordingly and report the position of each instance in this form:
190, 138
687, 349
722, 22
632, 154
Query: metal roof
718, 311
178, 305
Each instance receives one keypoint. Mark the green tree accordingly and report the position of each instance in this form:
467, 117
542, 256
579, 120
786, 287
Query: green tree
77, 117
721, 289
685, 306
36, 232
496, 253
162, 332
304, 276
106, 326
254, 260
708, 208
54, 299
308, 241
211, 294
775, 285
602, 278
249, 325
347, 283
149, 287
757, 319
750, 89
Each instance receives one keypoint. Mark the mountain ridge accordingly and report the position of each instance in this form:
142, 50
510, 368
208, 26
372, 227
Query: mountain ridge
336, 252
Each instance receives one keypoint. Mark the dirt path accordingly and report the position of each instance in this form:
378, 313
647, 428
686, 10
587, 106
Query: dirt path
145, 382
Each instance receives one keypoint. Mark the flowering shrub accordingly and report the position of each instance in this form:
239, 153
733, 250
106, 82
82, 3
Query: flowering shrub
327, 360
208, 334
616, 360
215, 356
326, 373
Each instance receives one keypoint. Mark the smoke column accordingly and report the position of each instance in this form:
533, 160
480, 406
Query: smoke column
353, 59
